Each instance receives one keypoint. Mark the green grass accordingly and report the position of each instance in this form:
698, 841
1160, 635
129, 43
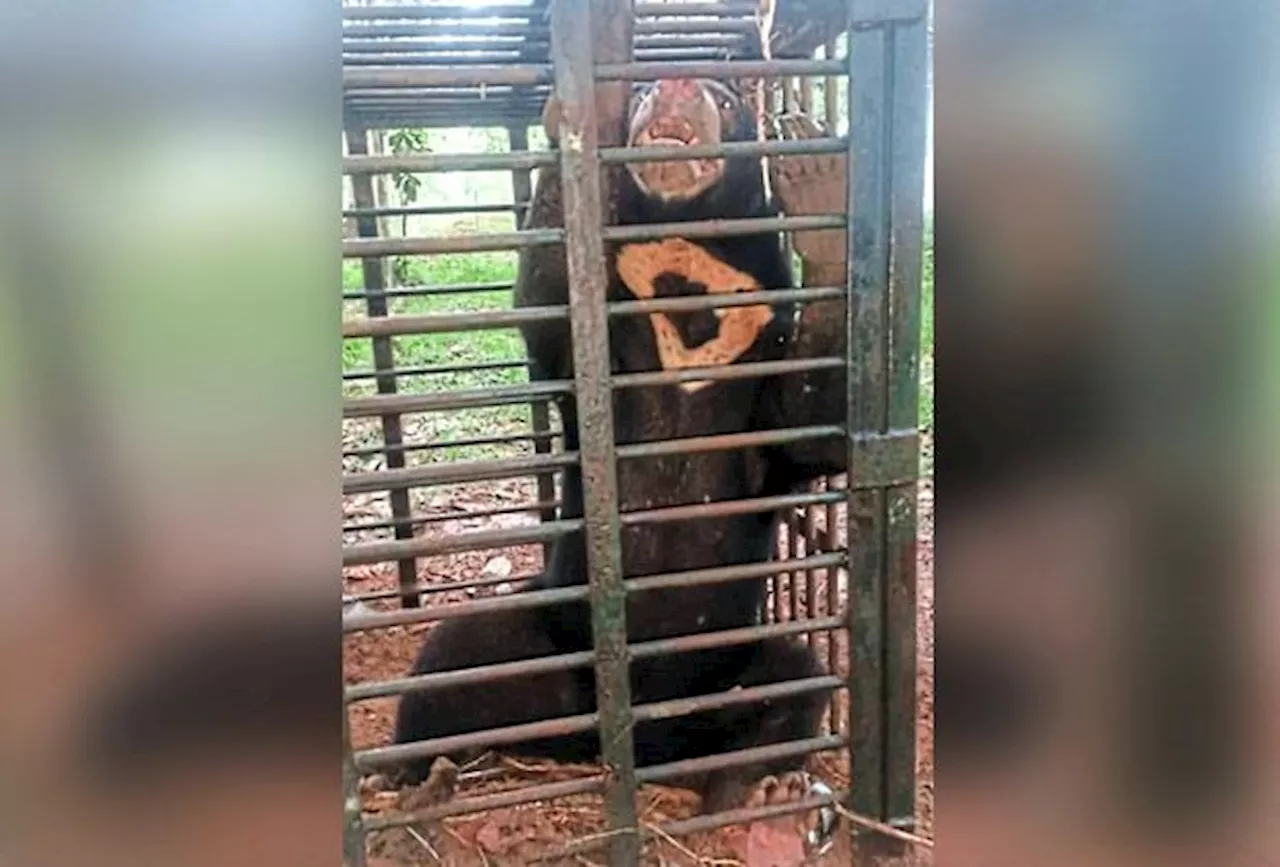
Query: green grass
478, 347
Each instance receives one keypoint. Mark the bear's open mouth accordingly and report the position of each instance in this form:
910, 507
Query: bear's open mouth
669, 132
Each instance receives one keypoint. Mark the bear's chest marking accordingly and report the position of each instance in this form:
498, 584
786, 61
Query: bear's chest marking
673, 266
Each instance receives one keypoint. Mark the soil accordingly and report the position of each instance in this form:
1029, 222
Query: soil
534, 833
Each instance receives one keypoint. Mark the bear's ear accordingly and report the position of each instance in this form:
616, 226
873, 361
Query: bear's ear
551, 119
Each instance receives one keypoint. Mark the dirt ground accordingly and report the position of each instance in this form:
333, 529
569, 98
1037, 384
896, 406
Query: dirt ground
534, 833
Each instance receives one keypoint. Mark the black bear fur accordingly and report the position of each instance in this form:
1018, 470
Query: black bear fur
642, 415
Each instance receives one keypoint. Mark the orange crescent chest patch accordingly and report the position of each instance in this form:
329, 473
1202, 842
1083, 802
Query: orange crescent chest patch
640, 265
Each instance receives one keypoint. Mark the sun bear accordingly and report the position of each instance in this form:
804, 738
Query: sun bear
668, 113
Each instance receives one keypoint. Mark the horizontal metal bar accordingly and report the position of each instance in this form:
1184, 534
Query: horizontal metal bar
719, 300
449, 611
462, 676
720, 69
523, 74
725, 372
360, 13
505, 318
737, 758
485, 803
730, 637
694, 578
723, 228
686, 10
426, 291
670, 26
429, 370
449, 323
430, 162
437, 589
729, 508
549, 664
395, 754
746, 815
433, 210
421, 520
766, 147
724, 574
501, 395
404, 549
368, 247
468, 442
728, 442
453, 472
427, 162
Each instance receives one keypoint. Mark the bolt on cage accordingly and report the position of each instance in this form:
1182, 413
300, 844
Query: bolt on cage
435, 66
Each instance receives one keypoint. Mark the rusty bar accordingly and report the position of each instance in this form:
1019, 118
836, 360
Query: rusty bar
509, 439
909, 48
419, 520
452, 472
737, 758
608, 24
430, 370
484, 803
444, 76
450, 323
379, 552
448, 587
868, 258
487, 31
717, 575
356, 407
812, 544
484, 243
678, 707
383, 359
353, 827
717, 69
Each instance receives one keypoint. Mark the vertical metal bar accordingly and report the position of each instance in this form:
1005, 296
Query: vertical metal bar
383, 359
609, 27
793, 551
540, 411
353, 854
909, 49
866, 320
835, 658
837, 647
831, 95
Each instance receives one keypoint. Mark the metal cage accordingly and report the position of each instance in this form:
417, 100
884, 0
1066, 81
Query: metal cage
845, 577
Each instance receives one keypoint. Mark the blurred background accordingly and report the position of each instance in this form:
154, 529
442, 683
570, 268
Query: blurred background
1106, 203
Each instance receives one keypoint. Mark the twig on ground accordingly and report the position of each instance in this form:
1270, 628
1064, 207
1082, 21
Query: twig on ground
881, 827
426, 844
